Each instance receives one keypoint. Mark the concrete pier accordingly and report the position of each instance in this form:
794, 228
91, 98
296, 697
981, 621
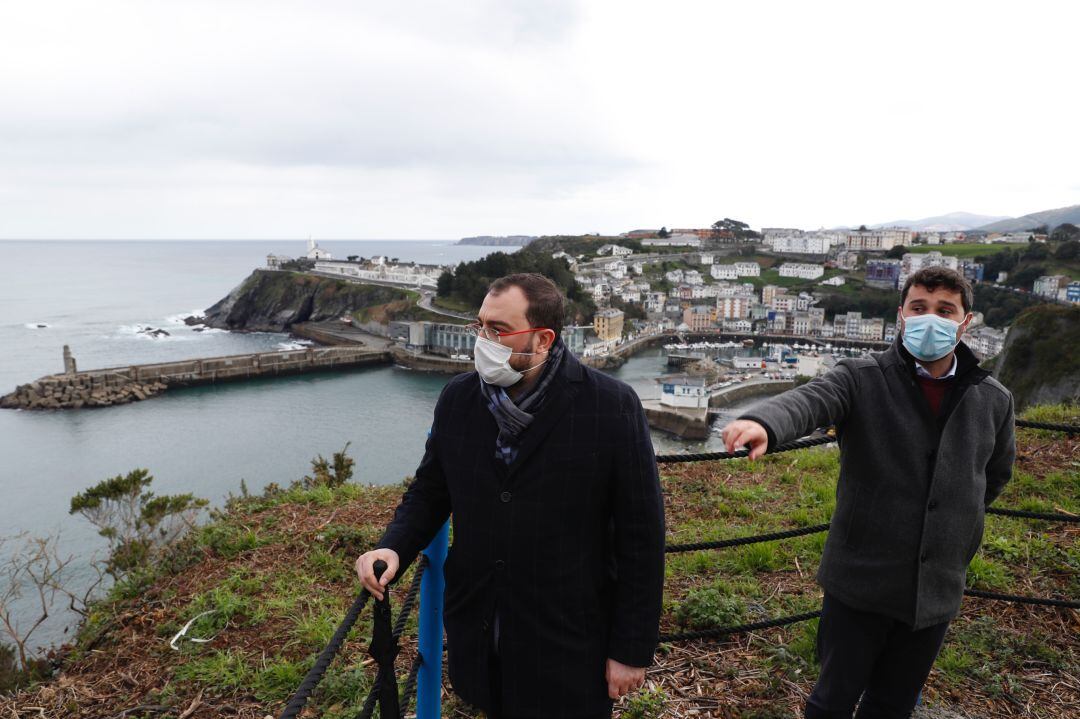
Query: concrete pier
119, 385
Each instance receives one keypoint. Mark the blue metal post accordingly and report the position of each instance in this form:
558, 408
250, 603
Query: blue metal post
429, 679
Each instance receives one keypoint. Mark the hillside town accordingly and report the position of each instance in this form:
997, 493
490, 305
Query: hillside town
712, 291
692, 281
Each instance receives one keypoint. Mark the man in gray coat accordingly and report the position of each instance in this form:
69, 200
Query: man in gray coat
926, 444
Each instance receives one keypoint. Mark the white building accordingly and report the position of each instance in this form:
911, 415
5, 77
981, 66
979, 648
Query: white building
1049, 286
724, 272
801, 245
413, 276
879, 240
768, 234
692, 277
912, 262
748, 269
802, 270
684, 392
315, 252
741, 326
673, 241
739, 362
705, 258
836, 281
614, 250
984, 341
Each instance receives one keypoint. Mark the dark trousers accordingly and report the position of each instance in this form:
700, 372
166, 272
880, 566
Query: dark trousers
872, 656
495, 711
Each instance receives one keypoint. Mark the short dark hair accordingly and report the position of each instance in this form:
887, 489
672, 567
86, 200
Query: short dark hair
934, 277
547, 306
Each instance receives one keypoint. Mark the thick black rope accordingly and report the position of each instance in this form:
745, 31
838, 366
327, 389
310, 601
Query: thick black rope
717, 632
1042, 601
801, 443
384, 649
315, 674
376, 691
410, 598
1069, 428
409, 689
817, 528
1047, 516
740, 541
814, 440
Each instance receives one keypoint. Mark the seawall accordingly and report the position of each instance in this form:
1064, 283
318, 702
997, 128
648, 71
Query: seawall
730, 395
119, 385
683, 422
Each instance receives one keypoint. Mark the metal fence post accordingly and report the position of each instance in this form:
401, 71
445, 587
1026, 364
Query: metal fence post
430, 641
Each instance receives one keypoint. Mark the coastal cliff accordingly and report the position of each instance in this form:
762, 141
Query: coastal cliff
1038, 363
272, 301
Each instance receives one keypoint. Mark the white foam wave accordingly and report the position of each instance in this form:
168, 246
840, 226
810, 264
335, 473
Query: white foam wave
179, 319
294, 345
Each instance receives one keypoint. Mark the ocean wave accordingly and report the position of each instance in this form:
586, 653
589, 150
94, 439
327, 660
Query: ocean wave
37, 325
141, 331
179, 319
294, 345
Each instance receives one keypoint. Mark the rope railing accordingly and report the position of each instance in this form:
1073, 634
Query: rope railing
385, 650
741, 541
315, 674
1054, 427
384, 689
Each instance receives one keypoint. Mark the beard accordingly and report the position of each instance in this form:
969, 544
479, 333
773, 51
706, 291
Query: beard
522, 362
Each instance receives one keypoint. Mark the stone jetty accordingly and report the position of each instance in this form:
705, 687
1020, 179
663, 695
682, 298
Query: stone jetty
119, 385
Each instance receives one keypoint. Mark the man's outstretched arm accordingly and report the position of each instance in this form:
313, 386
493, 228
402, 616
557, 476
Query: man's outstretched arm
795, 413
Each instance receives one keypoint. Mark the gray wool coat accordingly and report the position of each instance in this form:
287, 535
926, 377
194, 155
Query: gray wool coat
913, 488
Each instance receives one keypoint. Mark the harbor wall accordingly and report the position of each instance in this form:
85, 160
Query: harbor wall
119, 385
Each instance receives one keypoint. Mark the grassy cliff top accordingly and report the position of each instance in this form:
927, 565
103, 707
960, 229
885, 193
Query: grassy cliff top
276, 571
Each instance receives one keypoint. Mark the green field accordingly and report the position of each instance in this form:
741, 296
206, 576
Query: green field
967, 250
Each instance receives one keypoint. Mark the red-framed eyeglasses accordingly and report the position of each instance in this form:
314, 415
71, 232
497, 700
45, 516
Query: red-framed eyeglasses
478, 330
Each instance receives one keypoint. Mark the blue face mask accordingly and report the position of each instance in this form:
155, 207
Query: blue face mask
930, 337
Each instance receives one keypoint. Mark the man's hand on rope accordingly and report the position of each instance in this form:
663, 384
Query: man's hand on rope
746, 432
622, 679
365, 570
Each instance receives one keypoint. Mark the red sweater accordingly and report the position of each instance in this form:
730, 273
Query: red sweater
934, 390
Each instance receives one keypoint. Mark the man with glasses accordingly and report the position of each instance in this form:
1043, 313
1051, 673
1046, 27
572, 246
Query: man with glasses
555, 577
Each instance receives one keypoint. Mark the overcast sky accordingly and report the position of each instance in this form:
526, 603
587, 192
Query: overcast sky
403, 119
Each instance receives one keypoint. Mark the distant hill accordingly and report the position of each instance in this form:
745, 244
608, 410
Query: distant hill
1050, 218
952, 222
504, 241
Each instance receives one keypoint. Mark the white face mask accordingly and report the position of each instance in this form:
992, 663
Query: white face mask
492, 361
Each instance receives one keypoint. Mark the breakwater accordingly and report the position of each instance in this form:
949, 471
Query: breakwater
109, 386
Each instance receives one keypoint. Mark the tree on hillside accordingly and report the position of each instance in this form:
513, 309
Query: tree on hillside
663, 233
896, 252
1069, 250
1065, 232
728, 229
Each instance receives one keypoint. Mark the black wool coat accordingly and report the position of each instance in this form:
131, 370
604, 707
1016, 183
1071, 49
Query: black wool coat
913, 488
567, 541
